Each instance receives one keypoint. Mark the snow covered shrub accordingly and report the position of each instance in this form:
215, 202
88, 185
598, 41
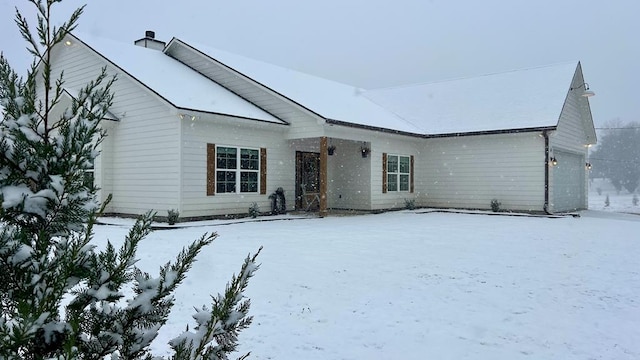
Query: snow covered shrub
495, 205
61, 298
173, 216
254, 210
409, 204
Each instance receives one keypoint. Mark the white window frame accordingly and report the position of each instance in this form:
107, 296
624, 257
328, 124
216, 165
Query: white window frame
238, 170
397, 174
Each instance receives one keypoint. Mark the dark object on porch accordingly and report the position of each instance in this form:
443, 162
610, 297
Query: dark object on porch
278, 202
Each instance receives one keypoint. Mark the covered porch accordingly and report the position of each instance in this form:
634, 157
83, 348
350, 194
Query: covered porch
332, 174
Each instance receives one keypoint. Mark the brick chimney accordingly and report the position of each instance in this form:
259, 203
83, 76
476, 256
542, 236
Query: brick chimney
149, 41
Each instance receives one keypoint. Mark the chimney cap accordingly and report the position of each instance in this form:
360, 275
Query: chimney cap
150, 34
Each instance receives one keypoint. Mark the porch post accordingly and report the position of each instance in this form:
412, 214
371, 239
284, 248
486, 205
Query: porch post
323, 176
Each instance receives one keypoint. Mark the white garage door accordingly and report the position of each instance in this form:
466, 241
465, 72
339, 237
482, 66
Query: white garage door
568, 182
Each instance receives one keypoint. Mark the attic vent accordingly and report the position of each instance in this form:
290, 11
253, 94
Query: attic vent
149, 41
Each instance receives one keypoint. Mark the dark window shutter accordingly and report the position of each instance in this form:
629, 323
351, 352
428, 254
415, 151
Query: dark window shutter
263, 171
411, 175
211, 169
384, 173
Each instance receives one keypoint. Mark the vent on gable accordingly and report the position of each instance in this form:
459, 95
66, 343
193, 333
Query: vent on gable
149, 41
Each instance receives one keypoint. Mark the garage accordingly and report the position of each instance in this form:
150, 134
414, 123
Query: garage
568, 182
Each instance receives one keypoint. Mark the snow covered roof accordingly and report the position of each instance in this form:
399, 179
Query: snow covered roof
521, 99
330, 99
174, 81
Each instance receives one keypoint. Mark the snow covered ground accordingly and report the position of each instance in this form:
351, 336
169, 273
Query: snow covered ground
415, 285
619, 201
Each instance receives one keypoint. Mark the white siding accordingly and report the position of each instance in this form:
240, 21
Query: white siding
397, 145
568, 194
232, 132
470, 171
142, 168
571, 137
356, 182
349, 177
103, 166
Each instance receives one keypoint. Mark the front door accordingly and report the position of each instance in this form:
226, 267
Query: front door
307, 180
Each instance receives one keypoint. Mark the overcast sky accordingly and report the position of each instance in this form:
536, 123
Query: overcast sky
375, 43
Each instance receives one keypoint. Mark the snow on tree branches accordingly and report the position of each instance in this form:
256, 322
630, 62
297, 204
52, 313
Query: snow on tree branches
59, 296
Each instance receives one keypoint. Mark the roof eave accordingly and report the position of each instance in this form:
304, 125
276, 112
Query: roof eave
372, 128
493, 132
443, 135
232, 115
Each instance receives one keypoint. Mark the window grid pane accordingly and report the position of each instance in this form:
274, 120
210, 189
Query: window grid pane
248, 181
249, 159
392, 182
225, 181
404, 164
226, 158
404, 182
392, 164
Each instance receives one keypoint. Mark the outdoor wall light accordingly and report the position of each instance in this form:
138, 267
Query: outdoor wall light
586, 92
331, 149
364, 150
183, 116
588, 166
553, 161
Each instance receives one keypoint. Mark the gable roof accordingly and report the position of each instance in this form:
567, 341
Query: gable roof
521, 99
335, 102
173, 81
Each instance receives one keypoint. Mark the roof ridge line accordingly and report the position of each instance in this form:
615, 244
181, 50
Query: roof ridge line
402, 86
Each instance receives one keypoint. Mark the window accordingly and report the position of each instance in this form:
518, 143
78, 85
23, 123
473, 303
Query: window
237, 173
235, 170
398, 173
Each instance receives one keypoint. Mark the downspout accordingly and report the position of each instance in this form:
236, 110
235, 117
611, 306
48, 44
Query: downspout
545, 134
323, 176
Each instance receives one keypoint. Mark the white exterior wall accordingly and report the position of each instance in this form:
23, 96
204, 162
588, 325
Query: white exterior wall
470, 171
145, 159
103, 164
356, 182
141, 169
226, 131
572, 136
349, 177
396, 145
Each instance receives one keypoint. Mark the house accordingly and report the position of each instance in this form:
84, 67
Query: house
208, 133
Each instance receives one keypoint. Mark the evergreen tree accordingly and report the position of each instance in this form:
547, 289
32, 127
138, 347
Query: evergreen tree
59, 296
